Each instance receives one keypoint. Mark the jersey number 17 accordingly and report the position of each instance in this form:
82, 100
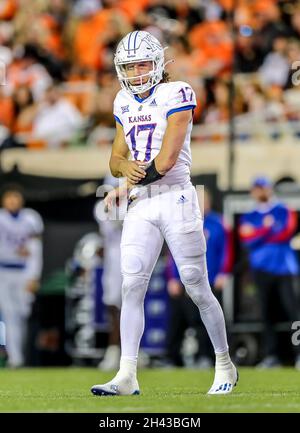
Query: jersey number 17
134, 132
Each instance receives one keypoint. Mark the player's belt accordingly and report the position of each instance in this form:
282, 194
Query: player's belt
131, 199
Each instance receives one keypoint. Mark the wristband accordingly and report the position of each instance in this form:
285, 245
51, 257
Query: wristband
151, 175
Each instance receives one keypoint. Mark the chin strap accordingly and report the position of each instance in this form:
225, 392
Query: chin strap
169, 61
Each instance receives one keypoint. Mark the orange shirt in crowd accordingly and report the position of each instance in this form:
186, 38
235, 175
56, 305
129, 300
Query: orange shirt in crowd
88, 46
212, 41
227, 5
6, 111
132, 8
7, 9
19, 75
80, 91
52, 38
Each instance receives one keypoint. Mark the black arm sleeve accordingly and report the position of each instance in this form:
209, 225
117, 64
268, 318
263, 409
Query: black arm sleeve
151, 175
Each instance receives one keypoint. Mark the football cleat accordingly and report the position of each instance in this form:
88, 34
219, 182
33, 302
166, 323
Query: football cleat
117, 386
225, 381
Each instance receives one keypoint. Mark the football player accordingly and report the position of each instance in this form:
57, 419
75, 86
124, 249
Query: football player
154, 123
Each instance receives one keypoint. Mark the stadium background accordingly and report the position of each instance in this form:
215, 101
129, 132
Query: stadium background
237, 55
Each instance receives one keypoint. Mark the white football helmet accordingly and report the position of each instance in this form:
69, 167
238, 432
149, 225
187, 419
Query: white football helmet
135, 47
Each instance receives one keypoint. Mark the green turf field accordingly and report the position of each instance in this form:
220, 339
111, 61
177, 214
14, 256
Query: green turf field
178, 390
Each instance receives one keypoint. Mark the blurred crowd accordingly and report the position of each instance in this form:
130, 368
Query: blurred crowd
60, 79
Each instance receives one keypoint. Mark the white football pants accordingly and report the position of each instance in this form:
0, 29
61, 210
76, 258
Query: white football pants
174, 216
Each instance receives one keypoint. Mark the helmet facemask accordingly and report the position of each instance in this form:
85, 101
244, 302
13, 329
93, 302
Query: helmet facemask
154, 77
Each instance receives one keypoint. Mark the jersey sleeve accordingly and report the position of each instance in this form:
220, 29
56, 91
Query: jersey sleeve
118, 110
285, 225
252, 235
36, 222
181, 97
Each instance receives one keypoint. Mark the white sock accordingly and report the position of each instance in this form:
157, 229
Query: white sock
223, 361
128, 366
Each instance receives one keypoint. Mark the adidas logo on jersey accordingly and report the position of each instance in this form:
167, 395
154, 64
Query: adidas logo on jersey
182, 200
153, 103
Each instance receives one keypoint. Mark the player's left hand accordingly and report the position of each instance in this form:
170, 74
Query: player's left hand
32, 286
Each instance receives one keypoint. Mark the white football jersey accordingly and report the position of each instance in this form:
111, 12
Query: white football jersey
145, 121
15, 232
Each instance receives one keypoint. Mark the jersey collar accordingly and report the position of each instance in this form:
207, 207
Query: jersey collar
143, 99
14, 215
266, 207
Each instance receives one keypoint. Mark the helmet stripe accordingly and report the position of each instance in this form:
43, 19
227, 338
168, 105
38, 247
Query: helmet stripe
134, 42
129, 40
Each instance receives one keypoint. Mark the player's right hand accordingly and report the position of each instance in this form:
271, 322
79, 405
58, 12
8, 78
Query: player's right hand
133, 170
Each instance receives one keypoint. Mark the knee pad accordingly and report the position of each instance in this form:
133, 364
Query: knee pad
196, 283
135, 281
131, 264
191, 275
